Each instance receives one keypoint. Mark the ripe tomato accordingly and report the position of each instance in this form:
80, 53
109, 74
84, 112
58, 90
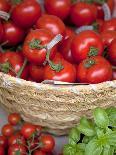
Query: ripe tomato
1, 32
52, 23
69, 32
16, 139
28, 130
26, 13
7, 130
83, 44
31, 48
94, 70
48, 143
13, 35
2, 151
16, 149
83, 13
108, 37
36, 72
39, 152
114, 74
5, 5
67, 74
15, 61
109, 25
65, 49
112, 52
60, 8
3, 141
14, 118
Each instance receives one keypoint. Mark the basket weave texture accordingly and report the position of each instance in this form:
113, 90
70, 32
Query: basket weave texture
56, 107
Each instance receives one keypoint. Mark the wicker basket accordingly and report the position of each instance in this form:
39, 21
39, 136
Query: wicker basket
57, 107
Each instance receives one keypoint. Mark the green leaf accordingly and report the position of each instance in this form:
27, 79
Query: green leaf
86, 139
111, 112
92, 148
108, 150
69, 149
112, 138
81, 146
101, 118
99, 131
84, 121
74, 136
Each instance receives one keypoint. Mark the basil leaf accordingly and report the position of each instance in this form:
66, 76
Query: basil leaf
108, 150
84, 121
85, 139
81, 146
99, 132
74, 136
112, 138
69, 149
111, 112
92, 148
101, 118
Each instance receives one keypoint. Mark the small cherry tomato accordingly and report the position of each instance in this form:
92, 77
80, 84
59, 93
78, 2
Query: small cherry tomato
3, 141
36, 72
53, 23
28, 130
108, 37
7, 130
112, 52
83, 13
26, 13
48, 143
2, 151
13, 149
86, 43
33, 48
39, 152
60, 8
66, 74
16, 139
14, 118
94, 70
109, 25
13, 34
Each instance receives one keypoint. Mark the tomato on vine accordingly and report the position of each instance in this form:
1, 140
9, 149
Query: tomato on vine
7, 130
14, 118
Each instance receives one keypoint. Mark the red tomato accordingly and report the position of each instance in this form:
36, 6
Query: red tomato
36, 72
1, 32
60, 8
12, 34
109, 25
14, 118
112, 52
2, 151
67, 74
83, 13
97, 25
69, 32
114, 74
26, 13
15, 60
94, 70
28, 130
83, 43
48, 143
5, 5
39, 152
65, 49
52, 23
16, 139
7, 130
108, 37
31, 47
13, 149
3, 141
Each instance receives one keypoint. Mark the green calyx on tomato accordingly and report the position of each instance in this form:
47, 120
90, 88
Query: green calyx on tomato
35, 44
93, 51
5, 67
16, 1
100, 1
89, 62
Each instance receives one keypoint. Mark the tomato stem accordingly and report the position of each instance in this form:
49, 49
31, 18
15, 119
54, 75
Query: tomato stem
22, 68
4, 15
35, 44
93, 51
89, 62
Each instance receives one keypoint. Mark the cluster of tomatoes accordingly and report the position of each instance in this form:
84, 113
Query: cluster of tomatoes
21, 138
86, 57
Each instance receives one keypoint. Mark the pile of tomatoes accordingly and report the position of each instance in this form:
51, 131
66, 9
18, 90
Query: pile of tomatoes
22, 138
86, 57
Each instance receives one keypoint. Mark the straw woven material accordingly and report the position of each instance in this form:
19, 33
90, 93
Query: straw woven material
56, 107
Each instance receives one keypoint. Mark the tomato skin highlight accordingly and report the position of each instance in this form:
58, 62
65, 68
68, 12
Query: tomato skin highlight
60, 8
83, 13
82, 43
99, 72
14, 118
26, 13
